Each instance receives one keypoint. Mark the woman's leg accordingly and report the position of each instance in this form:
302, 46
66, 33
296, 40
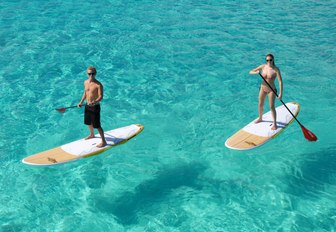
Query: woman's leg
271, 98
262, 96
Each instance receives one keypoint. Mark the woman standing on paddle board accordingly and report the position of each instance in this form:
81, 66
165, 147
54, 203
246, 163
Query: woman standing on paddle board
93, 94
269, 71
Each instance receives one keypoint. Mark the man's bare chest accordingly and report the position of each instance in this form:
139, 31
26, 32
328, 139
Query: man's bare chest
91, 88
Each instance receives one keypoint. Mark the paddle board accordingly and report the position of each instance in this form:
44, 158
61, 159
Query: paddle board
256, 134
83, 148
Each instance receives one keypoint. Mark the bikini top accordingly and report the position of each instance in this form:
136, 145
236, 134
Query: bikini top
265, 76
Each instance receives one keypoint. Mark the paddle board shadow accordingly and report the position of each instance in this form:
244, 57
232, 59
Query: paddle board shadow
113, 140
126, 207
279, 124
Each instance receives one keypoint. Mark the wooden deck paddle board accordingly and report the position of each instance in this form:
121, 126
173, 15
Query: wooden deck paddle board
83, 148
256, 134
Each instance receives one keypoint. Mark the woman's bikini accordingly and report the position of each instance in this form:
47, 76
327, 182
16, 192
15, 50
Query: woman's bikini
265, 87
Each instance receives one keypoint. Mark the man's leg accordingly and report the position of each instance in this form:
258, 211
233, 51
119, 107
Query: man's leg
101, 133
91, 132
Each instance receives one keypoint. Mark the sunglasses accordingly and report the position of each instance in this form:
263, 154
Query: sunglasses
91, 74
269, 60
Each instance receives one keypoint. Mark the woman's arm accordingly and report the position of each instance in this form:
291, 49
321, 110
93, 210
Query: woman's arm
280, 83
257, 70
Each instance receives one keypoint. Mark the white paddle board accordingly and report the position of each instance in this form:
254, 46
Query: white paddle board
83, 148
256, 134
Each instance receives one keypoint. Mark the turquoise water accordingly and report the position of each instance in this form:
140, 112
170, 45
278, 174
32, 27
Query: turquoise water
180, 68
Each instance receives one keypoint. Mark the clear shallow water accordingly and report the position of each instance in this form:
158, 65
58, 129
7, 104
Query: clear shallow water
181, 70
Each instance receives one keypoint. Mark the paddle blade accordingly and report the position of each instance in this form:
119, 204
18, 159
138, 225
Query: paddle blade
308, 134
61, 110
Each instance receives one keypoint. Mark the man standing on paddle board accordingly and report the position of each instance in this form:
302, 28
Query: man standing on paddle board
93, 94
269, 71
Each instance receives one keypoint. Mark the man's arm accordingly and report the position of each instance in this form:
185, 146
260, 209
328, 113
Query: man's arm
100, 93
83, 98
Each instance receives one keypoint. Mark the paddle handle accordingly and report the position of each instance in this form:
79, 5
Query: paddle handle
280, 100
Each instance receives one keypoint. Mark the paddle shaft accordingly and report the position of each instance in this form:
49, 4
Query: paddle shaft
281, 100
69, 107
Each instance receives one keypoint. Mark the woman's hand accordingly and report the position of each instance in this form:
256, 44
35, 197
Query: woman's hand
254, 71
257, 70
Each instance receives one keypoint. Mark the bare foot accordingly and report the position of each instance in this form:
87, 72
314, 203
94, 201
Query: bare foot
102, 144
89, 137
258, 120
274, 127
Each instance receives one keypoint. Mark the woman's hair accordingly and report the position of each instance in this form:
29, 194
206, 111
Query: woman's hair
271, 55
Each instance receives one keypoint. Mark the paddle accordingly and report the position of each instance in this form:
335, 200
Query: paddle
307, 133
62, 110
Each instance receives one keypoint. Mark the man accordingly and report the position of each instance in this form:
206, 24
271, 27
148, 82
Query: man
93, 94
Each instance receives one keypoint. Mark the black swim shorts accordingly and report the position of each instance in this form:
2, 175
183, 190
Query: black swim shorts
92, 115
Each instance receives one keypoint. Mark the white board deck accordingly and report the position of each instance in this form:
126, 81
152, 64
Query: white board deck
256, 134
83, 148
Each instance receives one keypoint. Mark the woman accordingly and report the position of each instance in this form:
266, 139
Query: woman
269, 71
